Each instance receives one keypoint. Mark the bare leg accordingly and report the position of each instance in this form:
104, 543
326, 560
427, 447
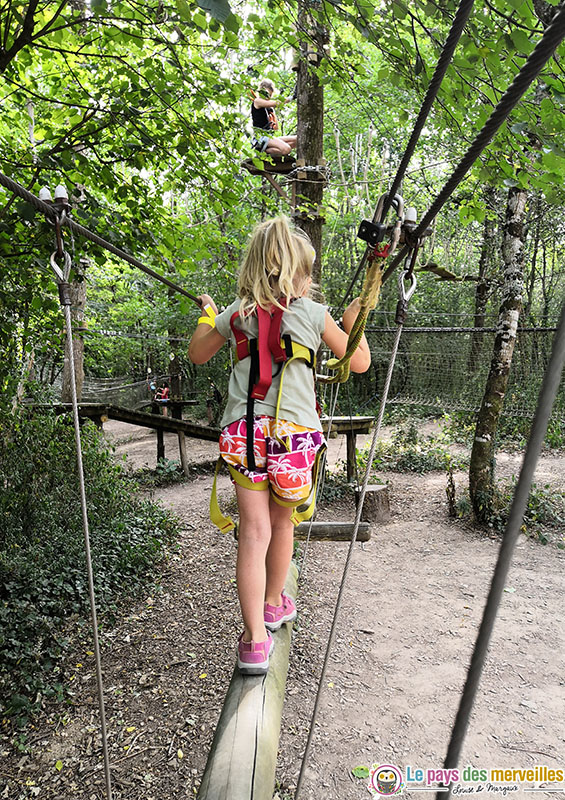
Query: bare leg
278, 146
279, 553
253, 543
291, 140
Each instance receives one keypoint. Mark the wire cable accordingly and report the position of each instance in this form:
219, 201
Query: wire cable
350, 551
459, 22
51, 214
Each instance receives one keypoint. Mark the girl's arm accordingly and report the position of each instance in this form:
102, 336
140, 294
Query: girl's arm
263, 102
336, 339
206, 341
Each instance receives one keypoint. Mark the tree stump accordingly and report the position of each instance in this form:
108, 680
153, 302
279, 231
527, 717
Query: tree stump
376, 507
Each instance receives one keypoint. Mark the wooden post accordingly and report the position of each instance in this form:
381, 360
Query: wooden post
78, 302
182, 451
351, 440
243, 757
160, 445
376, 506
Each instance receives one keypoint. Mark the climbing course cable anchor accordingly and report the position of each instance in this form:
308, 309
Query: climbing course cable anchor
62, 274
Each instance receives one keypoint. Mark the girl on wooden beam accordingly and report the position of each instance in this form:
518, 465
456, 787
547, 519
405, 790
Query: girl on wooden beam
271, 430
265, 123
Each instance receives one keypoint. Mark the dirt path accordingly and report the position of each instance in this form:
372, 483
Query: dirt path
409, 620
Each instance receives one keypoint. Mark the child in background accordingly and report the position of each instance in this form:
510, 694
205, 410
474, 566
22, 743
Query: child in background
286, 433
162, 397
265, 123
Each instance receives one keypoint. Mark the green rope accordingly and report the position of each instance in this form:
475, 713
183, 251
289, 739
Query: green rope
368, 300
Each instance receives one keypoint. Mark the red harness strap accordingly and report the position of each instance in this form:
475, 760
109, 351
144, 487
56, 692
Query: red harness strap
268, 343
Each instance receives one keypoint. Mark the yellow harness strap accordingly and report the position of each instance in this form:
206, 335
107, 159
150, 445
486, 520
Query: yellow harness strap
222, 522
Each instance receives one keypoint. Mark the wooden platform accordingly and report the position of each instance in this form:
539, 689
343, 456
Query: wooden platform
276, 165
101, 412
350, 426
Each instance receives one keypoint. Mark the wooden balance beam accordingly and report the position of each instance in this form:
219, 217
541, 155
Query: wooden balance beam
332, 531
243, 757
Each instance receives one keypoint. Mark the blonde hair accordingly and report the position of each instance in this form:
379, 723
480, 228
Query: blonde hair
277, 264
267, 83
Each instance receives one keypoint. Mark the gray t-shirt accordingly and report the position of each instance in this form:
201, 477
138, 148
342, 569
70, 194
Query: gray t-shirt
305, 322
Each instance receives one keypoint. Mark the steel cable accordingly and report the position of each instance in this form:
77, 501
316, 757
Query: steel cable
350, 551
444, 60
50, 212
543, 51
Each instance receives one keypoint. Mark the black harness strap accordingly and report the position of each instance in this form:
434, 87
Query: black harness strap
253, 373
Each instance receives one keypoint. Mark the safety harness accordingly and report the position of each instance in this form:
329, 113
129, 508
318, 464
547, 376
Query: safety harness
283, 350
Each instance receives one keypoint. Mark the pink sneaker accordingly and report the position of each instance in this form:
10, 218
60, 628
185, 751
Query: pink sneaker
275, 616
253, 657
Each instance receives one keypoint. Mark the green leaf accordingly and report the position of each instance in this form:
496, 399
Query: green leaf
184, 10
58, 766
219, 9
519, 127
233, 23
360, 772
553, 162
521, 41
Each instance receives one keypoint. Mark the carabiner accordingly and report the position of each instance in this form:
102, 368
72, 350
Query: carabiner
397, 204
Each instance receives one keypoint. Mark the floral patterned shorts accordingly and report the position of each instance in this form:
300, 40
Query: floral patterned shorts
288, 470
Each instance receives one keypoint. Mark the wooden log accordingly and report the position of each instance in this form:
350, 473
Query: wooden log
376, 507
332, 531
243, 757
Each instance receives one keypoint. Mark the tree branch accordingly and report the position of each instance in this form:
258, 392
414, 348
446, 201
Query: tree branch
23, 39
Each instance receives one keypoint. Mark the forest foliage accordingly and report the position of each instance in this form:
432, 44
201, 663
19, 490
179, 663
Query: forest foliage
142, 111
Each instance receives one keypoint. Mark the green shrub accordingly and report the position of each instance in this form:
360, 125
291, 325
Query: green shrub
43, 581
544, 514
408, 451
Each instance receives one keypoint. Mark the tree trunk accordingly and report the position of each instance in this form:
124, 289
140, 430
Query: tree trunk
309, 186
481, 470
531, 281
485, 269
78, 302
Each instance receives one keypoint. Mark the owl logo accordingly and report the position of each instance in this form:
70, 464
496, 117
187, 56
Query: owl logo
385, 780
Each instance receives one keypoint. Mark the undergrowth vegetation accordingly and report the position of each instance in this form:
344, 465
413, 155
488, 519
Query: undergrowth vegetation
44, 607
544, 518
410, 451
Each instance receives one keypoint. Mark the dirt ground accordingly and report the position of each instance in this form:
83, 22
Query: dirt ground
410, 614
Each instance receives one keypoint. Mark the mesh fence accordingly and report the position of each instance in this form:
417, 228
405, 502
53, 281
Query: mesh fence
118, 392
447, 367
